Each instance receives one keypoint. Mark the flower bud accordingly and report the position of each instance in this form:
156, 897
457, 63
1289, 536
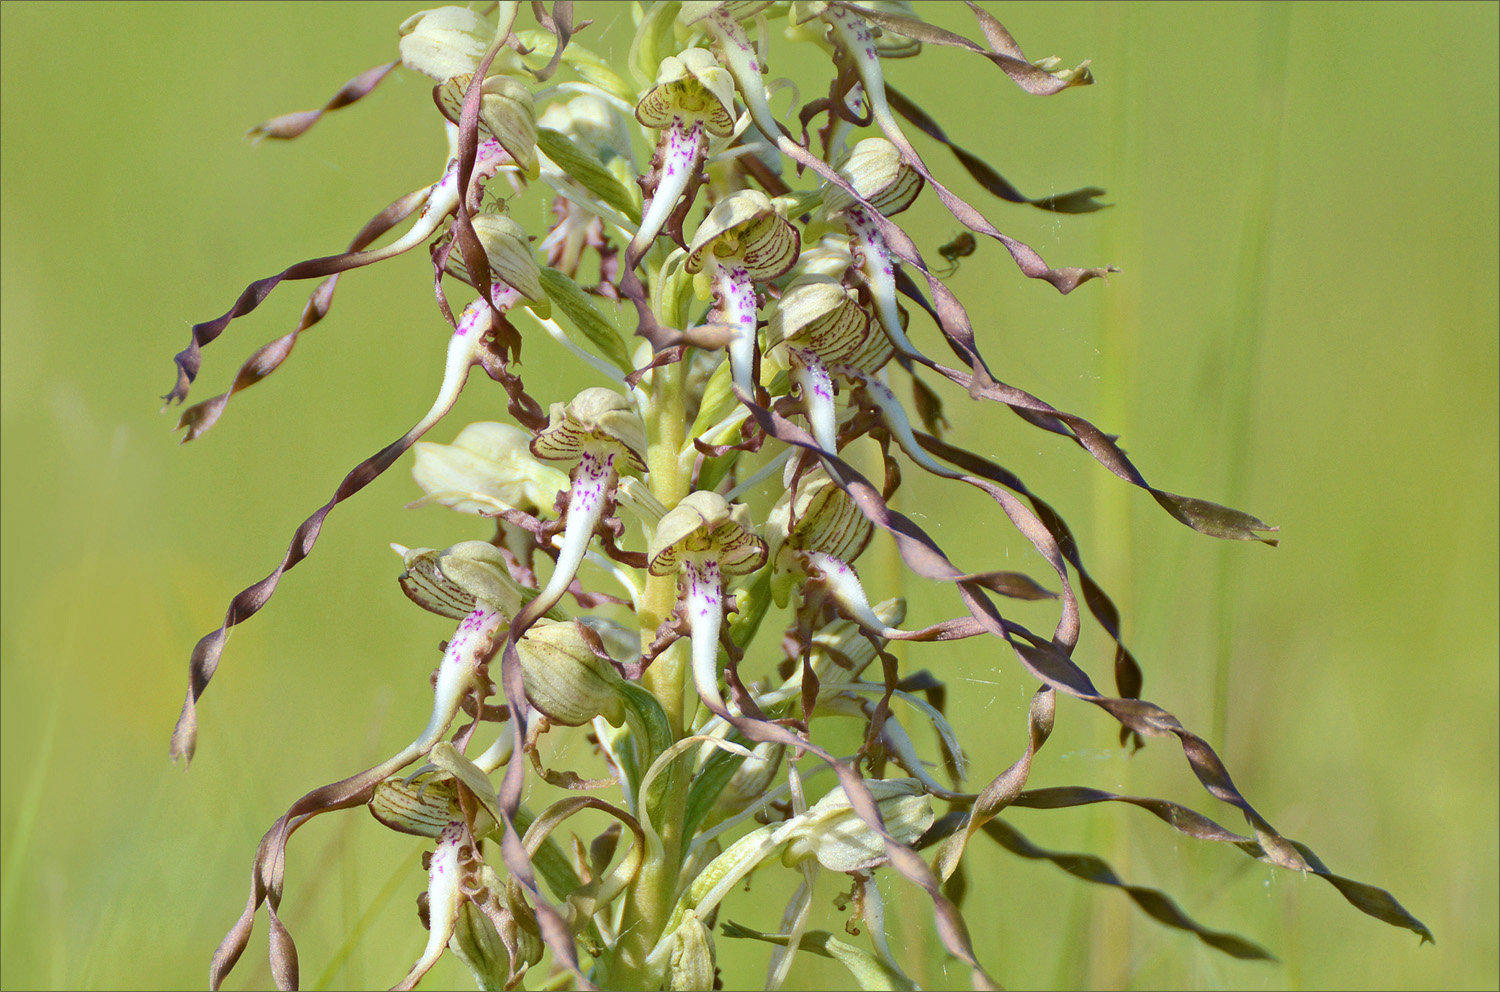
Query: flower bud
692, 956
565, 679
834, 834
506, 112
751, 779
478, 945
594, 126
488, 467
511, 261
878, 173
445, 42
830, 257
453, 582
815, 516
521, 931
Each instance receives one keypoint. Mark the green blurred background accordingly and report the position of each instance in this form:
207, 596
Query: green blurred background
1305, 326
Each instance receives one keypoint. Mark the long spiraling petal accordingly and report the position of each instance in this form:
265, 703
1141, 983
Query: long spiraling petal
464, 349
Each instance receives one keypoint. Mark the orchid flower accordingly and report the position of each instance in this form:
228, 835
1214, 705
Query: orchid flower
599, 429
743, 241
693, 98
826, 336
705, 540
877, 172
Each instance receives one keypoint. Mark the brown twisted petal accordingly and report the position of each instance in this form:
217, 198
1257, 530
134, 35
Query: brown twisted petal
1078, 201
262, 363
1039, 655
1087, 868
209, 650
1128, 676
597, 415
1036, 78
289, 126
1003, 789
746, 226
818, 313
710, 517
946, 918
553, 928
879, 173
1366, 898
199, 417
690, 86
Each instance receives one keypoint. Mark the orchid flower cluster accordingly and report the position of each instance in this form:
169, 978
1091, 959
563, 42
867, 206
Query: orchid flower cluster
623, 582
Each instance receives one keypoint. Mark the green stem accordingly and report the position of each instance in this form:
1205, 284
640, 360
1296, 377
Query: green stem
654, 891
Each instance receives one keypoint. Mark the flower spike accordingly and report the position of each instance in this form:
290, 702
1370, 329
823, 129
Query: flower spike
799, 235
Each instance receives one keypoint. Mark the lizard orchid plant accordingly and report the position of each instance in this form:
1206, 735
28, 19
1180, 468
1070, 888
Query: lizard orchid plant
630, 584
